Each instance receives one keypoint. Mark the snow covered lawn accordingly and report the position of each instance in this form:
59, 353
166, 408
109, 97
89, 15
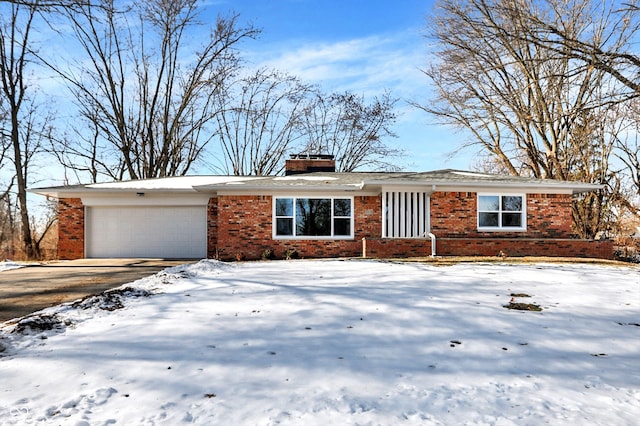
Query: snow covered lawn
8, 264
335, 342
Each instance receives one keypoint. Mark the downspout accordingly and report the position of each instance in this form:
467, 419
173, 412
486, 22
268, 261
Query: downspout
432, 236
433, 243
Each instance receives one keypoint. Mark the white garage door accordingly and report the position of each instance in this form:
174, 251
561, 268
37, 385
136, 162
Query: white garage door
160, 232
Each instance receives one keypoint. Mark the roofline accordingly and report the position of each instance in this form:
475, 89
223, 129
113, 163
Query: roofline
225, 189
362, 184
56, 192
575, 187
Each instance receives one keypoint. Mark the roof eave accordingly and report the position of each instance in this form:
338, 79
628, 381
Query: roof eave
232, 189
62, 192
562, 186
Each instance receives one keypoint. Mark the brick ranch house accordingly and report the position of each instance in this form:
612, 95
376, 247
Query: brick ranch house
321, 213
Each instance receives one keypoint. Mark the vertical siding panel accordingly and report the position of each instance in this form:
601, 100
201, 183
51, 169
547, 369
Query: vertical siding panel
385, 216
403, 214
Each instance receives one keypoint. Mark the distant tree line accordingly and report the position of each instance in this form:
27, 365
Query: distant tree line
151, 101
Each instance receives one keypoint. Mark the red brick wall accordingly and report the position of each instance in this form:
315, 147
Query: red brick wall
242, 225
303, 165
454, 214
70, 229
367, 216
549, 215
550, 247
513, 247
244, 229
398, 247
212, 228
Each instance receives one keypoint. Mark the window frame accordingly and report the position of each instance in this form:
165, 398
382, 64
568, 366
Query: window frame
500, 212
293, 218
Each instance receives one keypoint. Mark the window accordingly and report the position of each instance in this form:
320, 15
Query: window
313, 217
501, 212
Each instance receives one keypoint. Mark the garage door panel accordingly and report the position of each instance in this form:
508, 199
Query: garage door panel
165, 232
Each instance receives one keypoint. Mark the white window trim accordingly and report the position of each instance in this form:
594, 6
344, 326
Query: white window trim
312, 237
522, 228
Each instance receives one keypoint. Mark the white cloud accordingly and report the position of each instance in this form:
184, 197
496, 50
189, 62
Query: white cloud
369, 66
364, 65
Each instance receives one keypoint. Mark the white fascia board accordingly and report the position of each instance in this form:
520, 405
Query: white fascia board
324, 193
63, 192
531, 188
147, 198
302, 189
56, 192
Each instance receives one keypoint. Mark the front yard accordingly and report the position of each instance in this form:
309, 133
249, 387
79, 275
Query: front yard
335, 342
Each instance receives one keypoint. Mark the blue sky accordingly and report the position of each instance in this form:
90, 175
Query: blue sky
361, 46
365, 47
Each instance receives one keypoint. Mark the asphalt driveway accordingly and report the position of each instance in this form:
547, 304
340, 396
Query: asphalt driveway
29, 289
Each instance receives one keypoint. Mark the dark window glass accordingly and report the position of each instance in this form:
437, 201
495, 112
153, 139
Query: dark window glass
342, 226
512, 220
309, 217
284, 226
488, 219
313, 216
284, 206
341, 207
511, 204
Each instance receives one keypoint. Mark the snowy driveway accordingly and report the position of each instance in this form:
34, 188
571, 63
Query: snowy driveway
28, 289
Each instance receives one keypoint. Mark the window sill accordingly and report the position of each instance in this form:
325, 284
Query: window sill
406, 238
312, 237
502, 229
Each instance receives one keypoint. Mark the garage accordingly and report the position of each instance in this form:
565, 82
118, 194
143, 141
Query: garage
169, 232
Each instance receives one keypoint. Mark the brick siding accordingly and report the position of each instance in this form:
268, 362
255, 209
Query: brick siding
454, 214
551, 247
212, 228
245, 231
70, 229
241, 226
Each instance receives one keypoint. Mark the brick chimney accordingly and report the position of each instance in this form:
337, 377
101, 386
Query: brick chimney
304, 163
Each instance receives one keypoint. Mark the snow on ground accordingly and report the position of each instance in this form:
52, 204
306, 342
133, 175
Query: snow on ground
335, 342
8, 264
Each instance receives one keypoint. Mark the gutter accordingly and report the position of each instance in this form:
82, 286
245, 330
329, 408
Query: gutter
575, 188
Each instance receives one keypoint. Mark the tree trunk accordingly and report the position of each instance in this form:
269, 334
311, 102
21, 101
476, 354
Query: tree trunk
27, 240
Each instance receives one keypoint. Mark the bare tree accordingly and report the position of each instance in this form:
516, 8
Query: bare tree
536, 111
22, 129
45, 4
7, 224
353, 131
605, 44
144, 87
628, 144
259, 121
612, 26
85, 154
